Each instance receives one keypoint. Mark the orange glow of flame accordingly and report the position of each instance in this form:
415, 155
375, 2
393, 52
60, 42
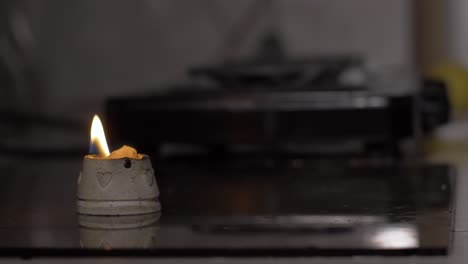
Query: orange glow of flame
98, 137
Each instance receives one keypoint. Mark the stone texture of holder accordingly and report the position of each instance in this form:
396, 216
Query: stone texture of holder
118, 232
117, 187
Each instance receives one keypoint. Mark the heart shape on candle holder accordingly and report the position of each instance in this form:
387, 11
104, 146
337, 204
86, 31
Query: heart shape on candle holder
103, 178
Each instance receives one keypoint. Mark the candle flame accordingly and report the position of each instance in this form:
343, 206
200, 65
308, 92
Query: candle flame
98, 137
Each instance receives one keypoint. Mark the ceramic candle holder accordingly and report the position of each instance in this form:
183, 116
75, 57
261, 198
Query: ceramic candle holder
117, 187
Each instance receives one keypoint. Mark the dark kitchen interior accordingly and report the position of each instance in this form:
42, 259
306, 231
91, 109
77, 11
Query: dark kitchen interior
253, 131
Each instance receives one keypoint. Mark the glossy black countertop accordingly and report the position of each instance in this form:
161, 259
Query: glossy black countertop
290, 207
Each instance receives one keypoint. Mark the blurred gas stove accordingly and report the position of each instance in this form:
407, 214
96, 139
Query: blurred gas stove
330, 106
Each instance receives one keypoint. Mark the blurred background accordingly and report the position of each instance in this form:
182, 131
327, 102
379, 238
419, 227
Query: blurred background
383, 84
84, 51
60, 62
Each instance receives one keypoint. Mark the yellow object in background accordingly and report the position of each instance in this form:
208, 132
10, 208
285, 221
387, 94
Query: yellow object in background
449, 143
456, 79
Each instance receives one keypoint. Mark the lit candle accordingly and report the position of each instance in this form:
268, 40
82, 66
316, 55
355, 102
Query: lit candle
118, 183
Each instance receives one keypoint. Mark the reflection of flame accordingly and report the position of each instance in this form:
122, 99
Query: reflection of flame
98, 138
396, 237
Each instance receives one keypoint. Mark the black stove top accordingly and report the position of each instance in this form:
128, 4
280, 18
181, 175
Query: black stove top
236, 208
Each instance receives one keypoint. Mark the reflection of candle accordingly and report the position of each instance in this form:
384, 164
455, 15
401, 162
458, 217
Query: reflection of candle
117, 183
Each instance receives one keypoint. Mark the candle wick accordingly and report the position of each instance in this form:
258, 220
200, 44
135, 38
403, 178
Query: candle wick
93, 149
